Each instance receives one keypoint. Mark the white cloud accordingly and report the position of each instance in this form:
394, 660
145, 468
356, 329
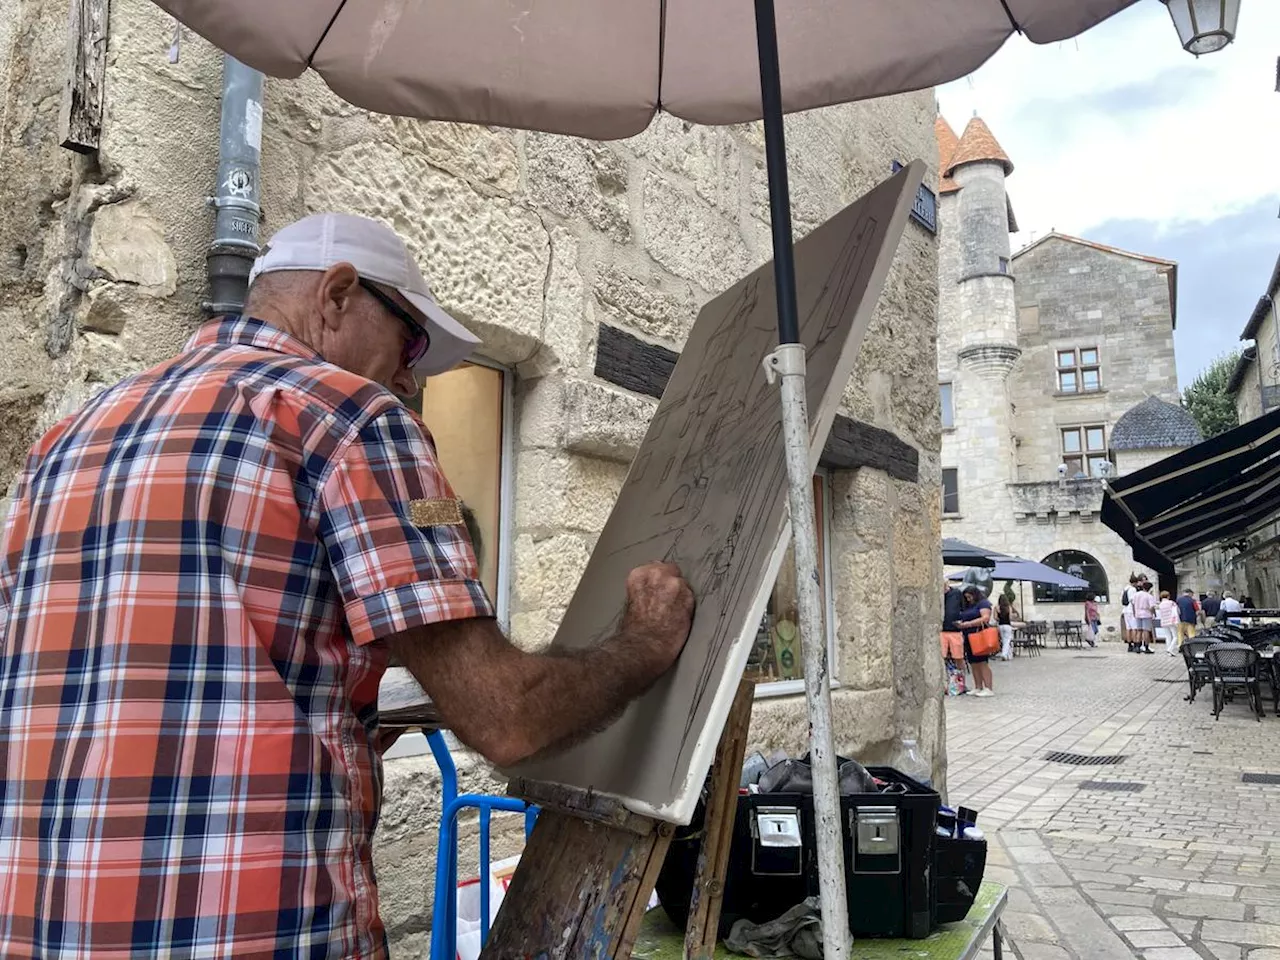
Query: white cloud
1121, 123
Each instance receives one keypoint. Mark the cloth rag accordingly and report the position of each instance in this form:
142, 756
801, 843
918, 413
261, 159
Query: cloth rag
797, 933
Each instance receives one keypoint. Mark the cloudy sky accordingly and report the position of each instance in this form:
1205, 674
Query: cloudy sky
1121, 137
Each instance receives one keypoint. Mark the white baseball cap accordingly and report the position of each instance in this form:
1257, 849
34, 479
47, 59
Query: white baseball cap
376, 251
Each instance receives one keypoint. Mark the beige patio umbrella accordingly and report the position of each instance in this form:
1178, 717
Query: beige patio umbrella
601, 69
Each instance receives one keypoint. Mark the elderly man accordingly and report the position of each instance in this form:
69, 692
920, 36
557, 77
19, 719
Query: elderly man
204, 573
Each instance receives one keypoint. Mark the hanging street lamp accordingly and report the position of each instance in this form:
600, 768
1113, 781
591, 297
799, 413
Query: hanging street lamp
1204, 26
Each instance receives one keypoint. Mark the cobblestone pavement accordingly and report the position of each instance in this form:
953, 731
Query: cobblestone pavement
1185, 866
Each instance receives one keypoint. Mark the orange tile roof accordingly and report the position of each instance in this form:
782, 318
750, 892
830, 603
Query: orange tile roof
978, 143
947, 143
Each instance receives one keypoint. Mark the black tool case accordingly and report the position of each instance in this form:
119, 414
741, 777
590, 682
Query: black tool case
889, 845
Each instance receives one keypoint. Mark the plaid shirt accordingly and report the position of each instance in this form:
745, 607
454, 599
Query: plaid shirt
196, 570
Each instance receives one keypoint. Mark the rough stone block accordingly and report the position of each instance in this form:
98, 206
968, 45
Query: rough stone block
688, 237
482, 155
708, 157
603, 422
549, 569
557, 492
486, 258
860, 505
580, 180
127, 245
649, 307
861, 719
566, 314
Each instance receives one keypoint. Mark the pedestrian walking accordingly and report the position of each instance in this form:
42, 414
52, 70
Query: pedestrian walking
1229, 605
1167, 614
1005, 615
1144, 615
1211, 607
1092, 620
974, 617
1128, 626
1188, 611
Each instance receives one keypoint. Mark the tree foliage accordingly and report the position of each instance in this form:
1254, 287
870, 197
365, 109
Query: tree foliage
1213, 408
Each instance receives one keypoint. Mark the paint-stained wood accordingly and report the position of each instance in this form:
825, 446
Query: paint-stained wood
582, 804
702, 930
629, 362
580, 891
80, 117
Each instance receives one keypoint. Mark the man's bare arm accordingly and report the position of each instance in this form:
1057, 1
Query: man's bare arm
510, 705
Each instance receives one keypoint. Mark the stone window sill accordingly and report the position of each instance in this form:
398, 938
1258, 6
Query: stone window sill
1078, 394
948, 429
953, 516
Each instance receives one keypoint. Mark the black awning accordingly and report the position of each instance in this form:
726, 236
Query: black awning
1216, 491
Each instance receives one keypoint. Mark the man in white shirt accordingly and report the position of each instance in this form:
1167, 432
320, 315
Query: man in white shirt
1230, 604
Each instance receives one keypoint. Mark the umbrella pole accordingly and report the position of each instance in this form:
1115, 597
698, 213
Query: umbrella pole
788, 362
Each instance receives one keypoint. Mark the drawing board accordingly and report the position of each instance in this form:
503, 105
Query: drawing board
707, 490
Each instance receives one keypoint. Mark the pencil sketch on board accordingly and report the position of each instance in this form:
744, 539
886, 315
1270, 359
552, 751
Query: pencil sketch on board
707, 490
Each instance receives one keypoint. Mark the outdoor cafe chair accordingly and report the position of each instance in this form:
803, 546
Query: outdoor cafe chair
1197, 666
1234, 666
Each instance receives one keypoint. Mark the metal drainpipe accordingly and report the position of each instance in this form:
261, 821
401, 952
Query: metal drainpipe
235, 199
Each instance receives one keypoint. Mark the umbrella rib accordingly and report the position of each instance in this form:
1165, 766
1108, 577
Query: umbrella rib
1009, 13
334, 19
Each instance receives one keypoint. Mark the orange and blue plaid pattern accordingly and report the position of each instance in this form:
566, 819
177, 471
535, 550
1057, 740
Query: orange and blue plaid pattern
195, 573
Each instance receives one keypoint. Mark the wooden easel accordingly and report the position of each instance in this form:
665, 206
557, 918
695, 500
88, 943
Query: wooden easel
590, 866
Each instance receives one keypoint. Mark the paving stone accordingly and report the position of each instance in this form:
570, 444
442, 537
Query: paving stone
1171, 953
1123, 898
1264, 954
1047, 875
1212, 889
1127, 923
1183, 925
1154, 938
1042, 951
1028, 926
1258, 934
1224, 951
1212, 909
1161, 883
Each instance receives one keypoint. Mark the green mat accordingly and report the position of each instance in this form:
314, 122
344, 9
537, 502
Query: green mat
660, 940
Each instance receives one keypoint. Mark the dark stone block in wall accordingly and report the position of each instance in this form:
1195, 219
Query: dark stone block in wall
629, 362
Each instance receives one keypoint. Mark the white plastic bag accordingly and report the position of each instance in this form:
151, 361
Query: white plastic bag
468, 917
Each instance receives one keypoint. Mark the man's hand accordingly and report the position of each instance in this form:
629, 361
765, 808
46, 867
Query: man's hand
658, 616
511, 705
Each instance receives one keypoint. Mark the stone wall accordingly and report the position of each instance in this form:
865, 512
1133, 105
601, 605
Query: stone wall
1074, 295
531, 240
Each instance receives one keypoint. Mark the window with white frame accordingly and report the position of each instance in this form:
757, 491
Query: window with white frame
946, 399
1084, 451
1079, 370
776, 662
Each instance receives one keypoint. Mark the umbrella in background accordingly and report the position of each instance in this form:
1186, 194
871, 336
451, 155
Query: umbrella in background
600, 69
961, 553
1027, 571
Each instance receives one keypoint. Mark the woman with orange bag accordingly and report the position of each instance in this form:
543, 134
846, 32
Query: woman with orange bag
980, 638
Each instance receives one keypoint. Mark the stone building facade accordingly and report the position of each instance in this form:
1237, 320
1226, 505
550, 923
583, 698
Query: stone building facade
540, 244
1042, 355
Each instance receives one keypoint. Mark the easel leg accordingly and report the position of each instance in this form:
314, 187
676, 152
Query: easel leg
722, 804
581, 889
